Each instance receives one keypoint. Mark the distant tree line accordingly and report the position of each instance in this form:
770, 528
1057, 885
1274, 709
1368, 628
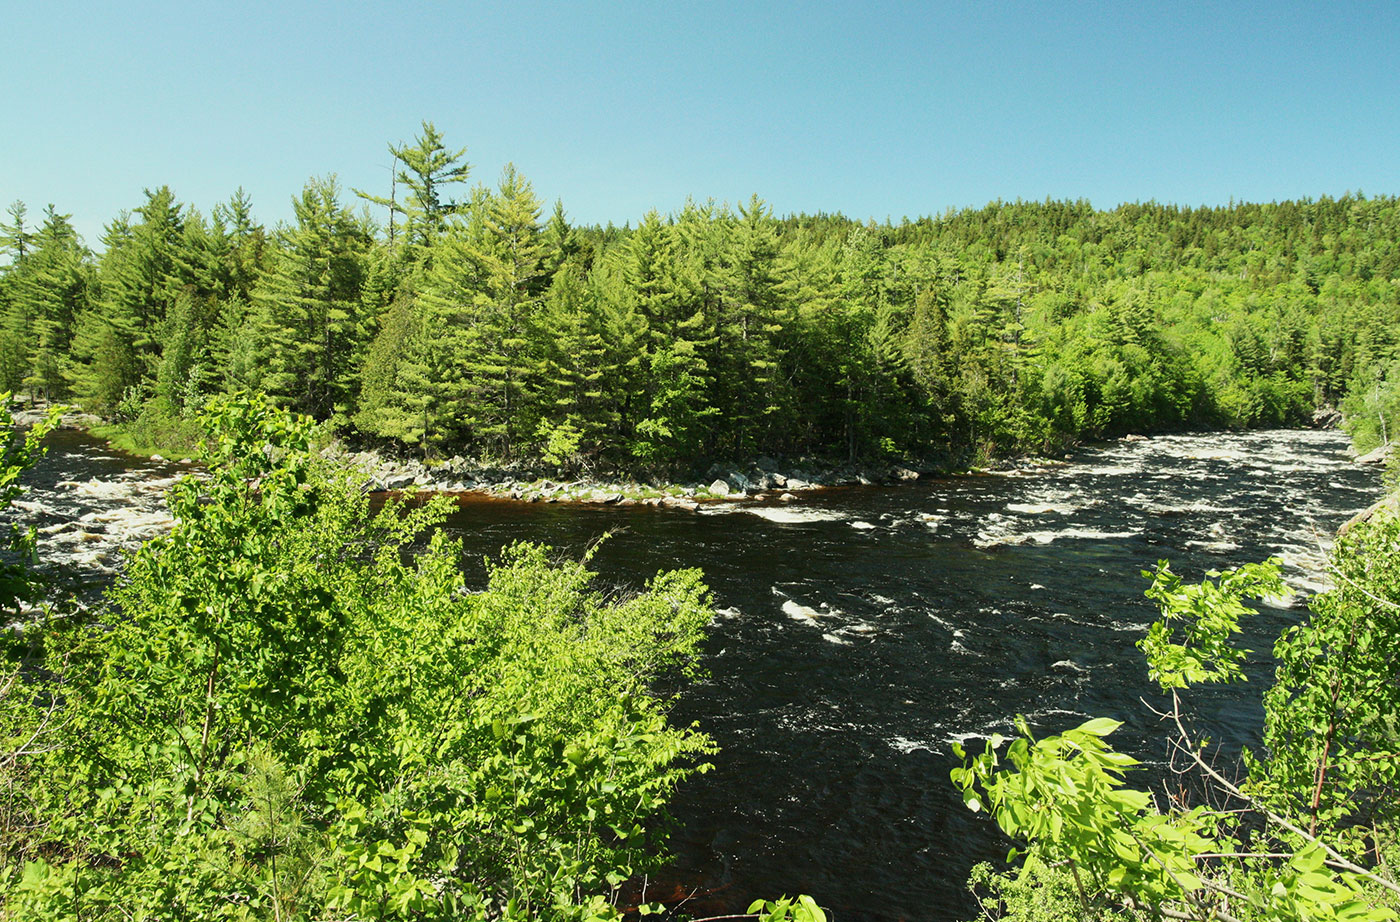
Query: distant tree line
450, 319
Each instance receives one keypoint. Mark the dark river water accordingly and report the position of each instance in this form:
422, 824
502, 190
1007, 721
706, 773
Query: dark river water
861, 631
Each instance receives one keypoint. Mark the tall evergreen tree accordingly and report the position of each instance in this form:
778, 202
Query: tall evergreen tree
55, 286
312, 325
426, 169
117, 344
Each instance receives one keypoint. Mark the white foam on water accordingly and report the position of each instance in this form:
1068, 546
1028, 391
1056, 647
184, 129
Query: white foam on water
1215, 547
1056, 712
1041, 508
946, 625
906, 746
985, 540
862, 526
790, 516
800, 612
836, 639
1110, 470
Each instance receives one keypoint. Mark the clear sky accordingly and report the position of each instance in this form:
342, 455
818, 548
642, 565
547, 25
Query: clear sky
875, 109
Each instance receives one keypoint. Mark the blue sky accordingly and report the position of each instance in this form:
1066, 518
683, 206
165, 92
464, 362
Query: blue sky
878, 109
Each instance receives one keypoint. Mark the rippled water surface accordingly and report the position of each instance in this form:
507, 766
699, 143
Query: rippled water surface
862, 630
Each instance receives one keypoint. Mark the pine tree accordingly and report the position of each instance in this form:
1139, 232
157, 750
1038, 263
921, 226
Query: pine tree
312, 322
483, 291
390, 406
425, 170
15, 238
749, 329
55, 286
117, 344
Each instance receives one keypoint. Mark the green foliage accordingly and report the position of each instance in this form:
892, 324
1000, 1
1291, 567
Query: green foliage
311, 321
17, 544
795, 909
1372, 407
560, 442
285, 718
1207, 615
1332, 718
1065, 798
1035, 892
714, 332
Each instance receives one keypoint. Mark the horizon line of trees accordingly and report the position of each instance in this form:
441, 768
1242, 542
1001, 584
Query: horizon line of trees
476, 320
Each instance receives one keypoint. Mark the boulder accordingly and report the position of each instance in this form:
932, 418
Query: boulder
1382, 509
1326, 418
396, 481
1377, 456
719, 488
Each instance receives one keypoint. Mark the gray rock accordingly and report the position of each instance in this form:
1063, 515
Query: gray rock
719, 488
1384, 509
1326, 418
1377, 456
786, 498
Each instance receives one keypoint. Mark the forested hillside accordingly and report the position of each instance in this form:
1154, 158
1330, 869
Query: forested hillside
446, 318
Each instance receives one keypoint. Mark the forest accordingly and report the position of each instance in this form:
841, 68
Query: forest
449, 318
293, 706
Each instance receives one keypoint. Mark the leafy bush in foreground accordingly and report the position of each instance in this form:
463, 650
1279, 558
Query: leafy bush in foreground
283, 719
1311, 835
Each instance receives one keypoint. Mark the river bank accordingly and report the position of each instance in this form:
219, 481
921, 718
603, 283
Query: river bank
757, 479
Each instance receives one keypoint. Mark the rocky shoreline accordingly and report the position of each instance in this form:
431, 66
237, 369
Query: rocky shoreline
761, 479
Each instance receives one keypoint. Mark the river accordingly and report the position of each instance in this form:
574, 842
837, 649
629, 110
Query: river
860, 631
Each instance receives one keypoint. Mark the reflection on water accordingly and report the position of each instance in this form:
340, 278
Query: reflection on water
862, 630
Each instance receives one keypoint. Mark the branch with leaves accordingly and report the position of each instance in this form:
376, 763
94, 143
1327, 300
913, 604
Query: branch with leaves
1065, 797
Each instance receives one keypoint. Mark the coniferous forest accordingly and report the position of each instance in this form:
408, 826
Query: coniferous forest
293, 706
449, 317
